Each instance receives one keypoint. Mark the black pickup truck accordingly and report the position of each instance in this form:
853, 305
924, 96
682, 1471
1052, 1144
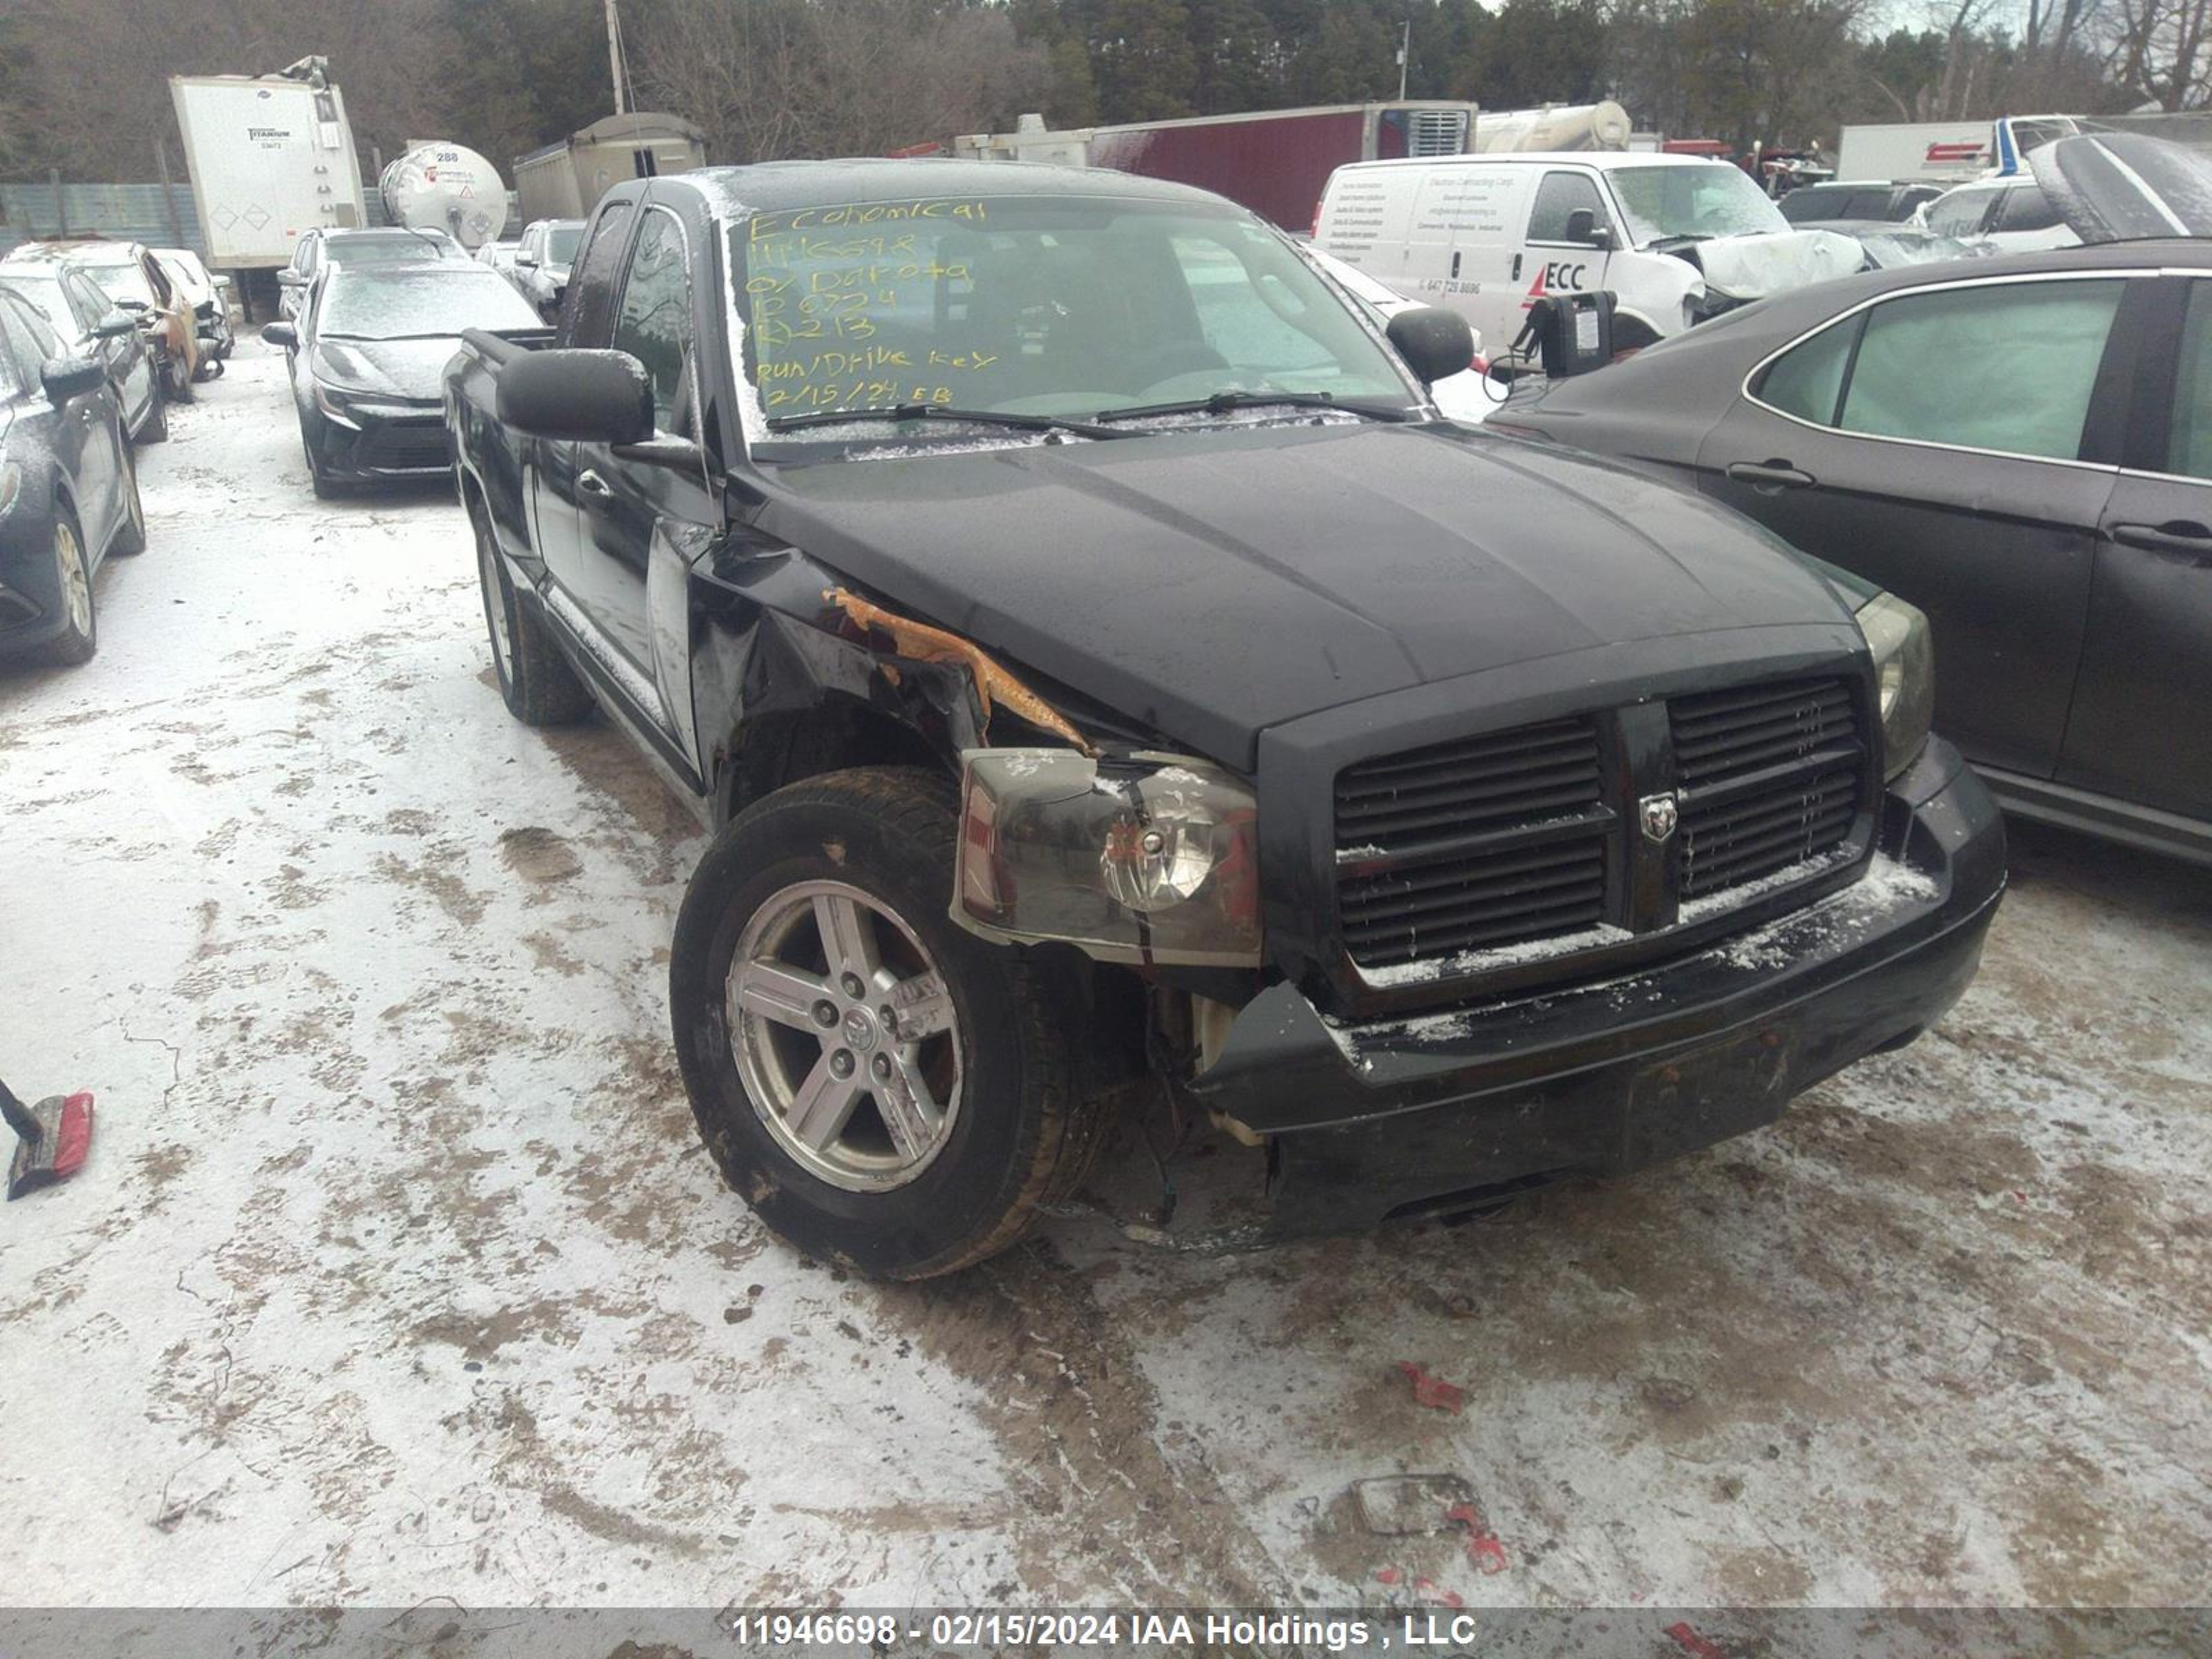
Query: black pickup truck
1101, 666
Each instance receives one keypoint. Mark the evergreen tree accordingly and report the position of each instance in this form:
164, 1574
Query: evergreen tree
1143, 62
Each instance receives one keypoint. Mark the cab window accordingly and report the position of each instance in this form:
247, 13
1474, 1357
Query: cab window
1960, 214
1558, 198
31, 343
2026, 207
654, 324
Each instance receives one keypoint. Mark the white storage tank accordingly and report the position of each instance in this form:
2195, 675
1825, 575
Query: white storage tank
449, 187
1555, 126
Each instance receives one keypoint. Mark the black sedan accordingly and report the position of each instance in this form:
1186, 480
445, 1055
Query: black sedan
68, 496
366, 355
2021, 446
91, 324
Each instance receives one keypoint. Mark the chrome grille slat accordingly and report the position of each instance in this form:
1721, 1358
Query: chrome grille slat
1770, 778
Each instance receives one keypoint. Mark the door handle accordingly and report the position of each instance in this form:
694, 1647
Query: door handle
589, 483
1768, 476
1516, 269
2178, 539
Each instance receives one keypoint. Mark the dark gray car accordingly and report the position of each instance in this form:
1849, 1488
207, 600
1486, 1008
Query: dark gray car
2021, 446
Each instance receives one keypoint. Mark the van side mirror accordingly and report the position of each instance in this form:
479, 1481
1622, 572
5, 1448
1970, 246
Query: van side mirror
281, 334
114, 326
1435, 343
1582, 226
585, 396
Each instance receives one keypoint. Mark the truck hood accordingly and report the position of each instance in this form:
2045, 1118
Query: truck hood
1212, 586
1752, 267
407, 369
2116, 186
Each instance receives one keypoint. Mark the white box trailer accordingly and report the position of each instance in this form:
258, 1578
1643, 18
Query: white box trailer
1914, 152
269, 156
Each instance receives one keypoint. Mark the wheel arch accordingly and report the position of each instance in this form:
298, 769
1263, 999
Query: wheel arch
838, 734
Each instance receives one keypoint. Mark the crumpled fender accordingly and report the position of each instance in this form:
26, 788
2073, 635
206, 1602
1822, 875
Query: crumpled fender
1753, 267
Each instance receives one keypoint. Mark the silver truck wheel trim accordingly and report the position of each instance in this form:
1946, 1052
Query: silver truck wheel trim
77, 582
844, 1035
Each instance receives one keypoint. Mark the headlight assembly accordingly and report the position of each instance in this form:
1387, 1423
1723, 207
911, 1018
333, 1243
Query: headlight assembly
1152, 859
1905, 675
335, 404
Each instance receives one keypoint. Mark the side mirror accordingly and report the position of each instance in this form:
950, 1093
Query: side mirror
281, 334
1582, 226
525, 261
1435, 343
71, 377
133, 305
586, 396
113, 326
288, 278
220, 280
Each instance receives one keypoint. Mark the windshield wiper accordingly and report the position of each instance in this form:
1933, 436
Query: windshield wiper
942, 412
1222, 403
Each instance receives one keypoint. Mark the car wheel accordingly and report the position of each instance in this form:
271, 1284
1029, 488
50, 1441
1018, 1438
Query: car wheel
131, 535
535, 680
154, 428
178, 378
883, 1088
80, 636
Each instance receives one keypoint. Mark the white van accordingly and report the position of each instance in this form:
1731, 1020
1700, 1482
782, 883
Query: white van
1676, 238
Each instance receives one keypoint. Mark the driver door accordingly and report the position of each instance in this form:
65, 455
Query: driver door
1564, 254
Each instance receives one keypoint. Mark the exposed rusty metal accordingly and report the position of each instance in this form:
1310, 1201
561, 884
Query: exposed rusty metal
994, 684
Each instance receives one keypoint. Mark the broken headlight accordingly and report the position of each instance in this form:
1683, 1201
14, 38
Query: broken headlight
1151, 859
1904, 676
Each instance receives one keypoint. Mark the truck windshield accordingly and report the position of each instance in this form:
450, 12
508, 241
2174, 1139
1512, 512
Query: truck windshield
1038, 305
1708, 199
425, 302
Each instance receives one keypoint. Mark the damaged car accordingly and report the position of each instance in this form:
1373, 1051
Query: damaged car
1676, 238
1104, 670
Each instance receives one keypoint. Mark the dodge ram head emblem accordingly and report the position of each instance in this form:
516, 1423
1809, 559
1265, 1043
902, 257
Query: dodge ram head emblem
1660, 815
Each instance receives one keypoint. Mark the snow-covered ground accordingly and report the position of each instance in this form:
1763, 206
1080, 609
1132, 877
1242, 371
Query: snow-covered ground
398, 1272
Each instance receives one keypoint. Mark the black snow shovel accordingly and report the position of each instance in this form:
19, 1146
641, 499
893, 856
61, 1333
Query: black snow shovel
52, 1138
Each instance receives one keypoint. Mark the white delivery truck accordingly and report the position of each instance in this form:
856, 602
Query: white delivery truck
270, 156
1911, 152
1676, 238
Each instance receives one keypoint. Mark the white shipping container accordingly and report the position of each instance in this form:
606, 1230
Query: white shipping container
270, 157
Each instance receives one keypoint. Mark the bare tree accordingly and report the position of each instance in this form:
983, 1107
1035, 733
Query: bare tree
2161, 50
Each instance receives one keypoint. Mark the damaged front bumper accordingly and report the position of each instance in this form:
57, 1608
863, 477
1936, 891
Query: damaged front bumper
1442, 1110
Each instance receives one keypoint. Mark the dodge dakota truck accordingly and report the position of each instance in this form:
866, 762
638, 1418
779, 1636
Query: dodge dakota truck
1103, 670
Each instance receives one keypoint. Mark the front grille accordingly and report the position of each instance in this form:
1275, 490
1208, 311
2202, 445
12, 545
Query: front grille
1494, 852
1473, 844
1770, 778
406, 446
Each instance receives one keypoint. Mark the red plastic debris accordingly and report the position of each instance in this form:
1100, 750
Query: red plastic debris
1484, 1548
1433, 1391
1427, 1590
1388, 1574
73, 1140
1693, 1643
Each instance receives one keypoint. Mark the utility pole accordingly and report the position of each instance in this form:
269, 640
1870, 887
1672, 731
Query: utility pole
1405, 52
615, 55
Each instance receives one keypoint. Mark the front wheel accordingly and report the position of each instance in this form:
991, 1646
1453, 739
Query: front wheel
80, 635
535, 680
883, 1088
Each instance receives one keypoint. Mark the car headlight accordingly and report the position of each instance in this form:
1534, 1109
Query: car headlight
1905, 675
1151, 859
334, 404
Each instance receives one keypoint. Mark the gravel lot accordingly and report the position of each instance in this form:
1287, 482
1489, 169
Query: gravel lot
399, 1272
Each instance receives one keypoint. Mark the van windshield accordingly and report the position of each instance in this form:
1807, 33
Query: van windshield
1039, 306
1708, 199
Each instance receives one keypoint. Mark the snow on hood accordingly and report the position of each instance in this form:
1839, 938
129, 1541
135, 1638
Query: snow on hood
1753, 267
409, 369
2115, 187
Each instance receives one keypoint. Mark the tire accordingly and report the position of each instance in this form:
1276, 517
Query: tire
535, 680
155, 429
1011, 1133
177, 381
80, 638
131, 535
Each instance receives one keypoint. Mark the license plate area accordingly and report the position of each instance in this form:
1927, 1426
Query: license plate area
1702, 1096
